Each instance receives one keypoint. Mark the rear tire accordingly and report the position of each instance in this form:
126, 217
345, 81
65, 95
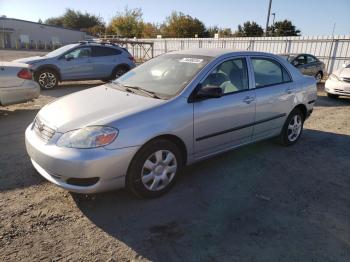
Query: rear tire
118, 72
154, 169
47, 79
332, 96
292, 128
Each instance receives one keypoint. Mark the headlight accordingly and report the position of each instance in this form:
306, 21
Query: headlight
88, 137
334, 77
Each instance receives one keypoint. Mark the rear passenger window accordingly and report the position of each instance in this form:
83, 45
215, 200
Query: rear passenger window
269, 72
310, 59
105, 51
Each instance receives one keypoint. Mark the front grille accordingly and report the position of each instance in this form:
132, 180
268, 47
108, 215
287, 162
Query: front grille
346, 79
43, 130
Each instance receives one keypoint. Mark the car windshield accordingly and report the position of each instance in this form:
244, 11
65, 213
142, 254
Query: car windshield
165, 75
61, 50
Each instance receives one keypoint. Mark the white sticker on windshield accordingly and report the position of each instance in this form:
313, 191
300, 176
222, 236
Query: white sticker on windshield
191, 60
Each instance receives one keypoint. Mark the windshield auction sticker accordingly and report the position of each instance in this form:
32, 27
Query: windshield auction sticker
191, 60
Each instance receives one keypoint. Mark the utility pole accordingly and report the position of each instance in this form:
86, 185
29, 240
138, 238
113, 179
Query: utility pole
268, 17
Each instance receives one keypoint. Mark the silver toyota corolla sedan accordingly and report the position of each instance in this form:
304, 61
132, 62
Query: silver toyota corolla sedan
181, 107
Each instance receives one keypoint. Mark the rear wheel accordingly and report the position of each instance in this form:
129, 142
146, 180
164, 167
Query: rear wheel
332, 96
154, 169
292, 128
119, 71
47, 79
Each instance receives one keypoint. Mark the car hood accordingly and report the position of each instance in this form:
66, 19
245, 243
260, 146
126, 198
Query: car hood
30, 60
100, 105
342, 72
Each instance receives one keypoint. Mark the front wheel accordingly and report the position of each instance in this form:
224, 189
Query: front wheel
154, 169
47, 79
292, 128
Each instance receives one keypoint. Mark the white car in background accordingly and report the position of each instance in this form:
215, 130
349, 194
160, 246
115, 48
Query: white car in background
338, 83
16, 83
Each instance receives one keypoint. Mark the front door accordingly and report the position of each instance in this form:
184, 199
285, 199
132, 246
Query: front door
225, 122
77, 64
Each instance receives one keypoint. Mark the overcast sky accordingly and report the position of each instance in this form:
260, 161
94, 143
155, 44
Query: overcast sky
312, 17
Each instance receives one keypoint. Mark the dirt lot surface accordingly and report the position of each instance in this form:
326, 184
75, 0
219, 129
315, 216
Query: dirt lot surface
262, 202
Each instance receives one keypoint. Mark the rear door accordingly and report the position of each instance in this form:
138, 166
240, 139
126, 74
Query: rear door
222, 123
77, 64
300, 63
274, 96
105, 60
312, 65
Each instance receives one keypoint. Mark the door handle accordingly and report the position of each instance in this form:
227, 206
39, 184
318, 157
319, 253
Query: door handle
289, 90
248, 99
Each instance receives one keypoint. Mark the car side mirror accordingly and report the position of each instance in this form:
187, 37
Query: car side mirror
209, 92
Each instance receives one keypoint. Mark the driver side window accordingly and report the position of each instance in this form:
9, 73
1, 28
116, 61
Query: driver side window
79, 53
231, 76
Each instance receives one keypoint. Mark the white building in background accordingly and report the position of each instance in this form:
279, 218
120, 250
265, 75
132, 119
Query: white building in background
16, 33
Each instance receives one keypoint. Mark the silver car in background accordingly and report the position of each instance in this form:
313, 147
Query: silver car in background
181, 107
307, 64
16, 83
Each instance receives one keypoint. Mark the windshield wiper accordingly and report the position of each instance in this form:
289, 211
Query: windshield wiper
149, 93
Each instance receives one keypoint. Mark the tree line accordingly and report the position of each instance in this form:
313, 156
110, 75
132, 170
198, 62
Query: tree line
130, 23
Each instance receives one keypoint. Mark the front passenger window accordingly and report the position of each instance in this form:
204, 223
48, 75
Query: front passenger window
231, 76
79, 53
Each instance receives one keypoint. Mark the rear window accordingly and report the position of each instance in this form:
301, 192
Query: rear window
268, 72
105, 51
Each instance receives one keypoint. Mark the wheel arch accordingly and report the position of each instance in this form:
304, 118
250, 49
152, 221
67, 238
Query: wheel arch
302, 108
51, 67
175, 140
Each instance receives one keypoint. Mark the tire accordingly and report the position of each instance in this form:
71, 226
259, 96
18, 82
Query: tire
119, 71
154, 169
292, 128
332, 96
318, 77
47, 79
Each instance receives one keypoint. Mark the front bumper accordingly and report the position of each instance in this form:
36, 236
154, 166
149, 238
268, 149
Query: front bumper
61, 165
337, 87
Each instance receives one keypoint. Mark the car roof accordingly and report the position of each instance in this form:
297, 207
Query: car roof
216, 52
110, 45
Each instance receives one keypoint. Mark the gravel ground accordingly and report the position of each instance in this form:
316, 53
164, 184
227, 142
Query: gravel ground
262, 202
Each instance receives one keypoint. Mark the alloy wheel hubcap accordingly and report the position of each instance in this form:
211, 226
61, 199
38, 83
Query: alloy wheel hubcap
294, 128
159, 170
47, 80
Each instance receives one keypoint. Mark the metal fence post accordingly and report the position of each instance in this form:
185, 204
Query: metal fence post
332, 55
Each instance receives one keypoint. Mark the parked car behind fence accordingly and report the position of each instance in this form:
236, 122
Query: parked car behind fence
307, 65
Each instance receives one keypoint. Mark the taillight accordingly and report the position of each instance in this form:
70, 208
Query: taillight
25, 74
132, 58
